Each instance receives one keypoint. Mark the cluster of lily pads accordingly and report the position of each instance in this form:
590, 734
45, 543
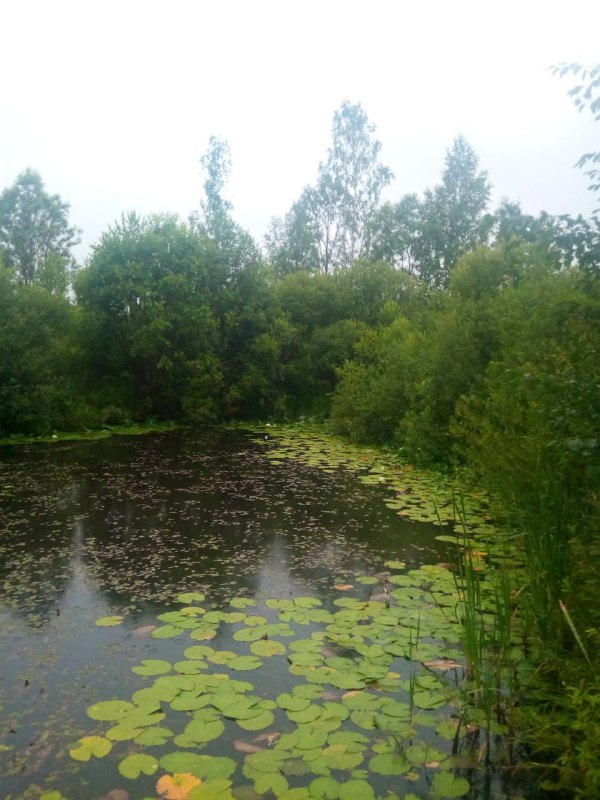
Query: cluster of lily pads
418, 495
368, 711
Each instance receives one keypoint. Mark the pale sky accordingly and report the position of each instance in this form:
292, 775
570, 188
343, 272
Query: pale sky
114, 102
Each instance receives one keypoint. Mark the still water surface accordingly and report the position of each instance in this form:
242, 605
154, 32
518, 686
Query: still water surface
122, 526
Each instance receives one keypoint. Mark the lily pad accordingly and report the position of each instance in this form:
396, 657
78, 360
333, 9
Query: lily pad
90, 746
132, 766
447, 785
152, 667
106, 622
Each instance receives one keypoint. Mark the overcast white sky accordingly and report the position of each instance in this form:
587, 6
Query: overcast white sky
114, 102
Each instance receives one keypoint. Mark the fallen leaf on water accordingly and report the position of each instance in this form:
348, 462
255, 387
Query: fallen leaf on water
432, 764
143, 630
177, 786
343, 587
246, 747
443, 663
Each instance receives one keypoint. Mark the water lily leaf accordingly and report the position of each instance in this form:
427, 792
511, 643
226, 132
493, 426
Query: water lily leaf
252, 620
90, 746
271, 781
222, 657
151, 737
367, 580
123, 733
200, 731
346, 756
242, 602
212, 790
224, 616
282, 605
324, 788
305, 646
291, 702
152, 667
132, 766
110, 710
198, 651
190, 597
202, 633
389, 764
182, 762
445, 785
244, 663
356, 790
268, 761
52, 796
242, 708
267, 648
428, 699
309, 714
177, 786
258, 723
192, 667
307, 691
190, 701
105, 622
307, 602
166, 632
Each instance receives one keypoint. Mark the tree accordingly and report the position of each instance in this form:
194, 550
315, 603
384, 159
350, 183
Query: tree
35, 235
337, 210
452, 213
394, 233
216, 221
585, 95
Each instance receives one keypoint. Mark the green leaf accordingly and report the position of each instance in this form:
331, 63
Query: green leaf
132, 766
445, 784
242, 602
166, 632
389, 764
152, 667
356, 790
271, 781
90, 746
325, 788
153, 737
244, 663
110, 710
190, 597
267, 648
258, 723
105, 622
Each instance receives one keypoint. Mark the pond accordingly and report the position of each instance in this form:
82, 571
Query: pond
266, 628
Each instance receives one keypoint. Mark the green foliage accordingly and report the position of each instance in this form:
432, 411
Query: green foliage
330, 221
35, 236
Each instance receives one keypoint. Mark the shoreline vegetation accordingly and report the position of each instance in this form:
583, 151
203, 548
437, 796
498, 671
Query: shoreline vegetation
460, 337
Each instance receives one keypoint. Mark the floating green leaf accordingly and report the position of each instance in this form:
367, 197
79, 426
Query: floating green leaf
446, 785
389, 764
110, 710
267, 648
244, 663
152, 667
132, 766
90, 746
105, 622
190, 597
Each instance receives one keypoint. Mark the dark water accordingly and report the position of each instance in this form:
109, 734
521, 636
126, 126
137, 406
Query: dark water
121, 526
